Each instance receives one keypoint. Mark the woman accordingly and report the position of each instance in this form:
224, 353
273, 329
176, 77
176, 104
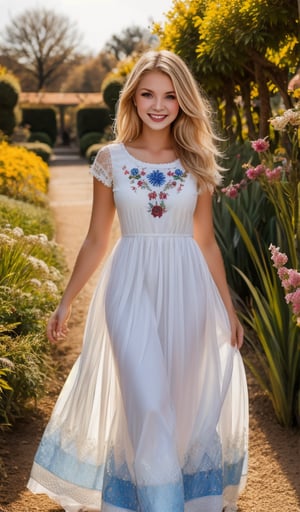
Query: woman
154, 414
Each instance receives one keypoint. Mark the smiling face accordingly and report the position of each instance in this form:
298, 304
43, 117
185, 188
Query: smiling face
156, 101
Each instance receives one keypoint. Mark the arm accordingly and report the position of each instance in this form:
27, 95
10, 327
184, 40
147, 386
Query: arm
91, 253
205, 237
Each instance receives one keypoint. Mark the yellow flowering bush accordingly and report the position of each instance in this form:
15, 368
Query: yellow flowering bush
23, 175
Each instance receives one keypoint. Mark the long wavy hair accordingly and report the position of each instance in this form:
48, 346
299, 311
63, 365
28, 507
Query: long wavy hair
192, 130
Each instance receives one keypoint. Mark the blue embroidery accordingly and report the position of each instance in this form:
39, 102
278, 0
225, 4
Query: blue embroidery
135, 173
156, 178
178, 174
140, 179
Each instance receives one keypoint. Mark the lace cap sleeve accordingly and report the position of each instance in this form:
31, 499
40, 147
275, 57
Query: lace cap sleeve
101, 168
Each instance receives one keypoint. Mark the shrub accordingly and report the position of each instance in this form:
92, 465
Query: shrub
111, 89
92, 120
25, 365
40, 137
38, 148
7, 120
9, 94
9, 89
30, 218
30, 281
88, 140
23, 175
41, 120
92, 152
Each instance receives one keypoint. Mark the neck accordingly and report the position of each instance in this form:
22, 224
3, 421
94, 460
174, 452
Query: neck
157, 141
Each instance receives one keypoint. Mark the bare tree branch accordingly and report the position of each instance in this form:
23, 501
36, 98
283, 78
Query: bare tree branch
41, 41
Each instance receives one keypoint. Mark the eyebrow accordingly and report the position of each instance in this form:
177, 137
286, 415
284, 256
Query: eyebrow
150, 90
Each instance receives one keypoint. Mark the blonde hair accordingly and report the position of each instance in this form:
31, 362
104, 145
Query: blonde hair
192, 130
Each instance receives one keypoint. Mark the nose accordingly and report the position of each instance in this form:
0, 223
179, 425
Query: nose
158, 103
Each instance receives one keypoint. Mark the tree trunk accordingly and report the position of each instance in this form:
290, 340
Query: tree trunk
279, 77
229, 108
239, 126
246, 95
264, 101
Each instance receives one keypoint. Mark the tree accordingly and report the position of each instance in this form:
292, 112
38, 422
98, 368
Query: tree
42, 41
237, 48
89, 74
132, 39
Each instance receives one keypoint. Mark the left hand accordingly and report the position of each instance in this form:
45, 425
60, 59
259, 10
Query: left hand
237, 331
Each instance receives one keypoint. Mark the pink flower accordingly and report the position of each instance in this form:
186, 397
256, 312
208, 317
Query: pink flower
231, 191
260, 145
251, 173
260, 169
152, 195
294, 299
255, 172
294, 278
274, 174
283, 273
279, 258
285, 284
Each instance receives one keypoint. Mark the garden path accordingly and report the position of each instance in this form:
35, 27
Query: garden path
274, 468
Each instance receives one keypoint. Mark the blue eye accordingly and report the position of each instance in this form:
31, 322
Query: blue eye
171, 97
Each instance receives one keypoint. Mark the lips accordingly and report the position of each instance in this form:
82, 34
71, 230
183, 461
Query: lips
157, 117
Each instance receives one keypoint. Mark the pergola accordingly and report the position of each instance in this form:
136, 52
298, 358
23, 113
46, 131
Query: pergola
61, 100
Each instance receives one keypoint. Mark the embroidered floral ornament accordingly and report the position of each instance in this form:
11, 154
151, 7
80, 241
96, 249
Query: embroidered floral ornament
153, 181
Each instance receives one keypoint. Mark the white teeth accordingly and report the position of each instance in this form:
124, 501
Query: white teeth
157, 116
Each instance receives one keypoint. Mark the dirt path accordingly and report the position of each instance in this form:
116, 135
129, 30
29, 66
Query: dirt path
274, 464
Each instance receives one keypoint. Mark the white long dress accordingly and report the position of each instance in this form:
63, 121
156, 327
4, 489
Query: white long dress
154, 414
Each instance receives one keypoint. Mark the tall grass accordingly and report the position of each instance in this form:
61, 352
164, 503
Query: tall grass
31, 276
272, 333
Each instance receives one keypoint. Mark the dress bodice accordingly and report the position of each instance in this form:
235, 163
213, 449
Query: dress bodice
151, 199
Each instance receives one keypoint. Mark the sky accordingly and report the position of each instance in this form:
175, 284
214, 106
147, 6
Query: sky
97, 20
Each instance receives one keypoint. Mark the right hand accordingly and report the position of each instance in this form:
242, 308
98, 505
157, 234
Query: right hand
57, 327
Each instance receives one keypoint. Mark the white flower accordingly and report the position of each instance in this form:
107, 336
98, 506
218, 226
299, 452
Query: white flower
51, 286
55, 274
32, 238
5, 362
6, 239
39, 264
279, 122
18, 232
43, 238
293, 116
36, 282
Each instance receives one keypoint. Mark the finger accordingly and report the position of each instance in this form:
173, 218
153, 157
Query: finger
53, 330
240, 339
